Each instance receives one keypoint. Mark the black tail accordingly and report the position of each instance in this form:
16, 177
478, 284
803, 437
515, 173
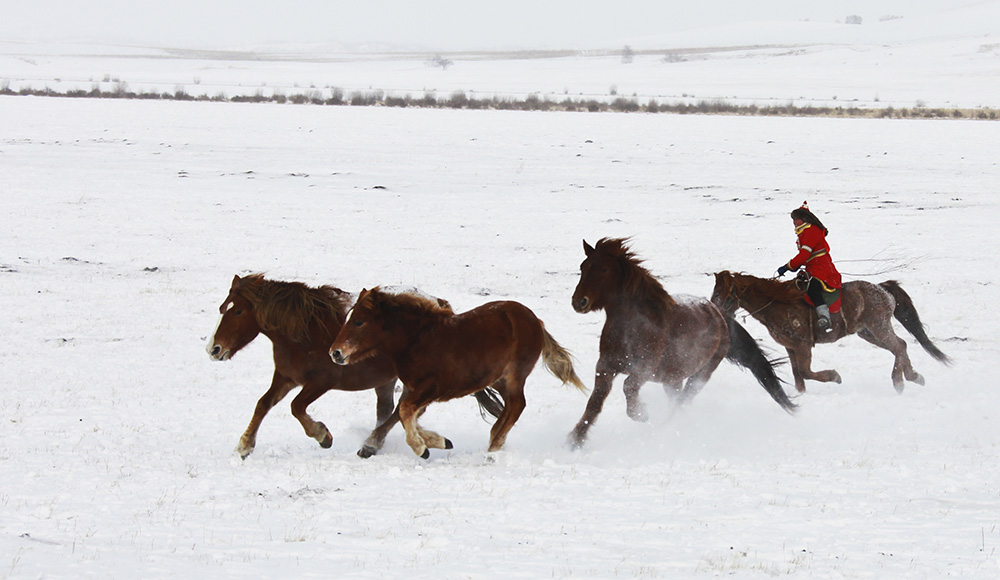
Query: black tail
746, 353
906, 314
489, 402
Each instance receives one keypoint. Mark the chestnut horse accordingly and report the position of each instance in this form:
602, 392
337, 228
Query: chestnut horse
650, 336
301, 322
440, 355
867, 309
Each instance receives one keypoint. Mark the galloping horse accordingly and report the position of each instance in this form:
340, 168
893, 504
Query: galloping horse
650, 336
440, 355
867, 309
301, 322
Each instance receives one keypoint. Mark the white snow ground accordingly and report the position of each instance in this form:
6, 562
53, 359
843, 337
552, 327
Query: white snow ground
124, 222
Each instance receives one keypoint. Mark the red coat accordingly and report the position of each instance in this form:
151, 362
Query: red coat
814, 253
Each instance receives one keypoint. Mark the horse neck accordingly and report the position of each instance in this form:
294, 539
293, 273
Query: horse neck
754, 300
407, 331
321, 332
652, 303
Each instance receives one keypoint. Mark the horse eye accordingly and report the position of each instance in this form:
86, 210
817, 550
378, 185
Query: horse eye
359, 323
238, 313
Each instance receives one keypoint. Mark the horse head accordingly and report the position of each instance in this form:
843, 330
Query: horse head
601, 275
362, 332
724, 294
238, 325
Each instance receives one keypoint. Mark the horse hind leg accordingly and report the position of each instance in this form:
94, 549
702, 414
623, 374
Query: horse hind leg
696, 382
514, 404
901, 367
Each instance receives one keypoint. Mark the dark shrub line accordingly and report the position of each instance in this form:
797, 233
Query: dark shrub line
533, 102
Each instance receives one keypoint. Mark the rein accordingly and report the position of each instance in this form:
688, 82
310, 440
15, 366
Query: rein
739, 304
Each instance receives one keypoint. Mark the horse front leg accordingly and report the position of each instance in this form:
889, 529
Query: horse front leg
804, 356
793, 361
431, 438
602, 386
408, 414
634, 406
315, 429
384, 403
376, 438
280, 386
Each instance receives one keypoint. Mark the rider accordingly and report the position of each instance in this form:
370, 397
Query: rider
823, 289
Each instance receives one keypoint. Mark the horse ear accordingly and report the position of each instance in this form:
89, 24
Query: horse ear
236, 281
587, 248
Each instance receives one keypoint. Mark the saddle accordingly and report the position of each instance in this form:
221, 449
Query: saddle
802, 280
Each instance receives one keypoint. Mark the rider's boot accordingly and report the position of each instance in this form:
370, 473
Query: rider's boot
823, 320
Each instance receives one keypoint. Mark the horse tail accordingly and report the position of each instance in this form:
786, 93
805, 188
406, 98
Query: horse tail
906, 314
489, 402
746, 353
559, 362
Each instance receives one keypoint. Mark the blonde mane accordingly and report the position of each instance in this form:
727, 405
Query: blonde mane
406, 303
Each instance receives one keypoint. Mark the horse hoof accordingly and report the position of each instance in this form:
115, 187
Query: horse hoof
639, 416
366, 452
899, 388
426, 454
448, 444
919, 379
327, 442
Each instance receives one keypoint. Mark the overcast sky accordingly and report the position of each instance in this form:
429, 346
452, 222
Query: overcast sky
418, 24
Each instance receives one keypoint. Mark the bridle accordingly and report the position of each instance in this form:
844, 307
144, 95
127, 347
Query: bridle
738, 298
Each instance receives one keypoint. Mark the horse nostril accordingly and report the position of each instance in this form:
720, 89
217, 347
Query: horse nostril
216, 350
337, 356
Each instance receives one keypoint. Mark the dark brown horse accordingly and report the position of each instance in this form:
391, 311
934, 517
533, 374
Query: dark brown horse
650, 336
867, 309
301, 322
440, 355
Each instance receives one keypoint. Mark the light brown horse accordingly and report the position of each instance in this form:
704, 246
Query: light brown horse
301, 322
650, 336
867, 309
440, 355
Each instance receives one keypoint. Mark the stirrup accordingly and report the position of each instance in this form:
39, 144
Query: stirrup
823, 324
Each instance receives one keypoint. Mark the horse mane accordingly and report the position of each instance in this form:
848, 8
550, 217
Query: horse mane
638, 281
775, 290
405, 303
290, 307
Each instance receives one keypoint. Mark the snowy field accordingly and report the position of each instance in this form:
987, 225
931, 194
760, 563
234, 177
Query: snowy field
948, 59
125, 221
